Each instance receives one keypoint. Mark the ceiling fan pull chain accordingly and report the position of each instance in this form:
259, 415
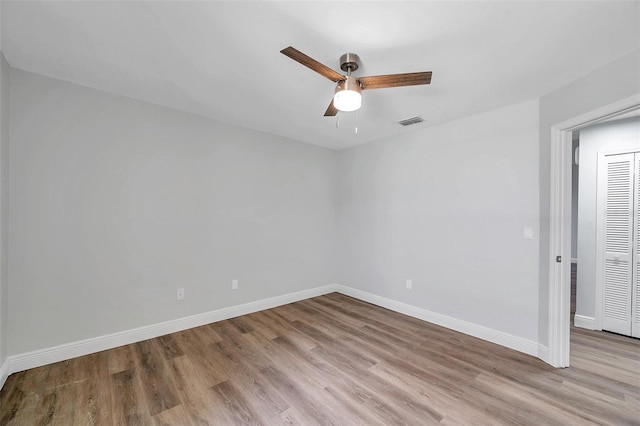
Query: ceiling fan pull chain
356, 122
337, 122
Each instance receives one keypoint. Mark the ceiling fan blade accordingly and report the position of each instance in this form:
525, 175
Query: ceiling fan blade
331, 110
311, 63
395, 80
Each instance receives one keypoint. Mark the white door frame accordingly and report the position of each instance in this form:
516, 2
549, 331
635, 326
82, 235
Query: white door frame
560, 224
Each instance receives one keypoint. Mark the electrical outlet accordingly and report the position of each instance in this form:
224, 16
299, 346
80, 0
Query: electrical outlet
234, 285
180, 294
409, 284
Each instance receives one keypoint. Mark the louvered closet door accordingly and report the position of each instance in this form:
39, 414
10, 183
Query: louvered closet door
635, 285
618, 243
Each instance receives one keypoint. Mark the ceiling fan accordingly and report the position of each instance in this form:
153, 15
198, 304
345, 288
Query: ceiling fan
348, 90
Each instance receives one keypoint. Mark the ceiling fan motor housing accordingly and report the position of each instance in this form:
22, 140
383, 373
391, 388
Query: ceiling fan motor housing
349, 62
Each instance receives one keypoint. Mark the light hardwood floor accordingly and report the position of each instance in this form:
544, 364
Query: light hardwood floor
329, 360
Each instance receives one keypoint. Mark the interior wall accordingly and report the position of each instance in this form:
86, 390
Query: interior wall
611, 83
102, 191
606, 137
445, 207
4, 204
115, 203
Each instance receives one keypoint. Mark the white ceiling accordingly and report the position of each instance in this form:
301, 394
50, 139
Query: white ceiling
222, 60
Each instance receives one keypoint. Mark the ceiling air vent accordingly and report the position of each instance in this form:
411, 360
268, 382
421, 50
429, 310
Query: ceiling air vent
410, 121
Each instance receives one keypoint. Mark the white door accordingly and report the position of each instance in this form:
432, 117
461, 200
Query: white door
618, 268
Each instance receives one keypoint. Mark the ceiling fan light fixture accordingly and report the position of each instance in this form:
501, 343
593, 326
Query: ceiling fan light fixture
348, 95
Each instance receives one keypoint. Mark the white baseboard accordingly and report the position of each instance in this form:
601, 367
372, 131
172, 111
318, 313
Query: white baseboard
582, 321
4, 373
543, 353
37, 358
485, 333
41, 357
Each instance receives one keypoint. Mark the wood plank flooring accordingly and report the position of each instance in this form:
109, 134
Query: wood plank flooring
330, 360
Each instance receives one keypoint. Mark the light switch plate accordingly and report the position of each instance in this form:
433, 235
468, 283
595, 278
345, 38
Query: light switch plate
528, 233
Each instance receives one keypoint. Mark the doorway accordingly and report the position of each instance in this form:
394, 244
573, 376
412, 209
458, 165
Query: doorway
603, 219
560, 224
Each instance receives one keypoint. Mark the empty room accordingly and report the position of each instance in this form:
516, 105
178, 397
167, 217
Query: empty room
319, 213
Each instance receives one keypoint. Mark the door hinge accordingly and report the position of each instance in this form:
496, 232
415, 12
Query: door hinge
558, 259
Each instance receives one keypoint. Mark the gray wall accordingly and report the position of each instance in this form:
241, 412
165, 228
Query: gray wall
4, 204
445, 207
613, 82
575, 181
115, 203
620, 134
